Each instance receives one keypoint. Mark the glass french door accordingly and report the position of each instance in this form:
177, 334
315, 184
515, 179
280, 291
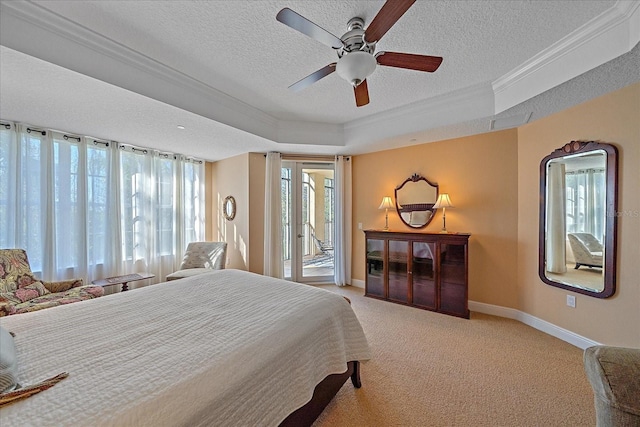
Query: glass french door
308, 203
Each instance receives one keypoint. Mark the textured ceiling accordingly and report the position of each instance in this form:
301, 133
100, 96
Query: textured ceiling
238, 49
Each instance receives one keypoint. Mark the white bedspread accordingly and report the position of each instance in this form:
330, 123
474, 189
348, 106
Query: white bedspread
226, 348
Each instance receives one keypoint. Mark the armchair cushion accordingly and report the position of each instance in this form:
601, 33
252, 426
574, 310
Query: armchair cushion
63, 286
181, 274
26, 293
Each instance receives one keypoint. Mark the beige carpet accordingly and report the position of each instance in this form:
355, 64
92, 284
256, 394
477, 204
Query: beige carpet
430, 369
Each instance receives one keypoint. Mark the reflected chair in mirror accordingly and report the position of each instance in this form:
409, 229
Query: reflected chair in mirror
201, 257
587, 250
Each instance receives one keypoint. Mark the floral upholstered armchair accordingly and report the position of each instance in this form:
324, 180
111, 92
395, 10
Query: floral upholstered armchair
21, 291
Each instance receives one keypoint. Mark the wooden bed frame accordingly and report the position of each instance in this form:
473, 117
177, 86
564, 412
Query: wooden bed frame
322, 395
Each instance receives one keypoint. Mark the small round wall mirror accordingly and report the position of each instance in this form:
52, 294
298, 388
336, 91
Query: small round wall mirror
229, 208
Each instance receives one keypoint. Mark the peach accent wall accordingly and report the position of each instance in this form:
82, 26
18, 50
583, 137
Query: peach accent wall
613, 118
480, 174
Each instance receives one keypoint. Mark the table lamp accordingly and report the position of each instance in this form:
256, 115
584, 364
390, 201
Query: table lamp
386, 204
443, 202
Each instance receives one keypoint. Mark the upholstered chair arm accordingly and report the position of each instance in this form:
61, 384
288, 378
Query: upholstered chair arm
6, 307
63, 286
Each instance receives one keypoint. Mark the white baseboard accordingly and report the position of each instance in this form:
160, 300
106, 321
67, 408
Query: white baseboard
511, 313
539, 324
357, 283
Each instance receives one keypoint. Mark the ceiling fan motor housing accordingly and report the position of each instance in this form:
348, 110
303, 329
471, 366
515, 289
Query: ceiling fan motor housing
353, 39
356, 61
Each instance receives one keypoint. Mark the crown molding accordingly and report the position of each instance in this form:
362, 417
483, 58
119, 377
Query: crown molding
39, 32
611, 34
462, 105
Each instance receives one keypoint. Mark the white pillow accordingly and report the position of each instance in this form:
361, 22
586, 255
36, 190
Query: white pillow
8, 362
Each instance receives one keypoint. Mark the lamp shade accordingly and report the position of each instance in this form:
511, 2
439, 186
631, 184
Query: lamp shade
356, 66
443, 202
386, 203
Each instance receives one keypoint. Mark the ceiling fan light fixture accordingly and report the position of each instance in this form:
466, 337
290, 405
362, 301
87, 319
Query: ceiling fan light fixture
356, 66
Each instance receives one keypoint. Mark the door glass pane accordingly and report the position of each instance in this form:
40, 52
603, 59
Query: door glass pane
452, 279
317, 221
398, 271
287, 209
424, 278
375, 267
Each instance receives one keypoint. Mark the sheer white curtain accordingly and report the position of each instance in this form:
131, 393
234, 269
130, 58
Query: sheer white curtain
273, 262
91, 209
556, 261
343, 208
586, 199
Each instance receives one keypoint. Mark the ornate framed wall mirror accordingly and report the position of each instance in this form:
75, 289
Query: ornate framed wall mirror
415, 198
578, 202
229, 208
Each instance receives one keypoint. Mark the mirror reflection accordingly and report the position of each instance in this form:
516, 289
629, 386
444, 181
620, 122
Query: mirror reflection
576, 230
415, 198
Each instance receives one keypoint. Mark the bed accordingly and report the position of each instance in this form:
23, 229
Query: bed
223, 348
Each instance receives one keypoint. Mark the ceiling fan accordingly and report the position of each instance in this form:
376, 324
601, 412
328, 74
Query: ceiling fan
356, 48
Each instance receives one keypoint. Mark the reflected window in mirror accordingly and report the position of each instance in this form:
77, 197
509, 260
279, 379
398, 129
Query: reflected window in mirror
578, 218
415, 198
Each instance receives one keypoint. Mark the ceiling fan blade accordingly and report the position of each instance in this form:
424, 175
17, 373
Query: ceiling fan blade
298, 22
409, 61
390, 12
312, 78
362, 94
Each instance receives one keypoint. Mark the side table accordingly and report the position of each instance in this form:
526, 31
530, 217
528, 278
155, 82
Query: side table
123, 280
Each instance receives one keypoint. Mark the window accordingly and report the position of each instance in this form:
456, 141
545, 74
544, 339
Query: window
586, 195
85, 208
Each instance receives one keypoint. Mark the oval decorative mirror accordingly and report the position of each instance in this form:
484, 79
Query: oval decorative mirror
578, 186
415, 198
229, 208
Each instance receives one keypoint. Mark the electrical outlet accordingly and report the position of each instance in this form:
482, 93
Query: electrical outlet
359, 226
571, 301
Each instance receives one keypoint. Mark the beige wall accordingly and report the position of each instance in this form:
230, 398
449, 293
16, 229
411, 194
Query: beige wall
229, 178
480, 175
612, 118
257, 165
243, 178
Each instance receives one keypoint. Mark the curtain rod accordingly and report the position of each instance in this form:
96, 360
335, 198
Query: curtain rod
318, 157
